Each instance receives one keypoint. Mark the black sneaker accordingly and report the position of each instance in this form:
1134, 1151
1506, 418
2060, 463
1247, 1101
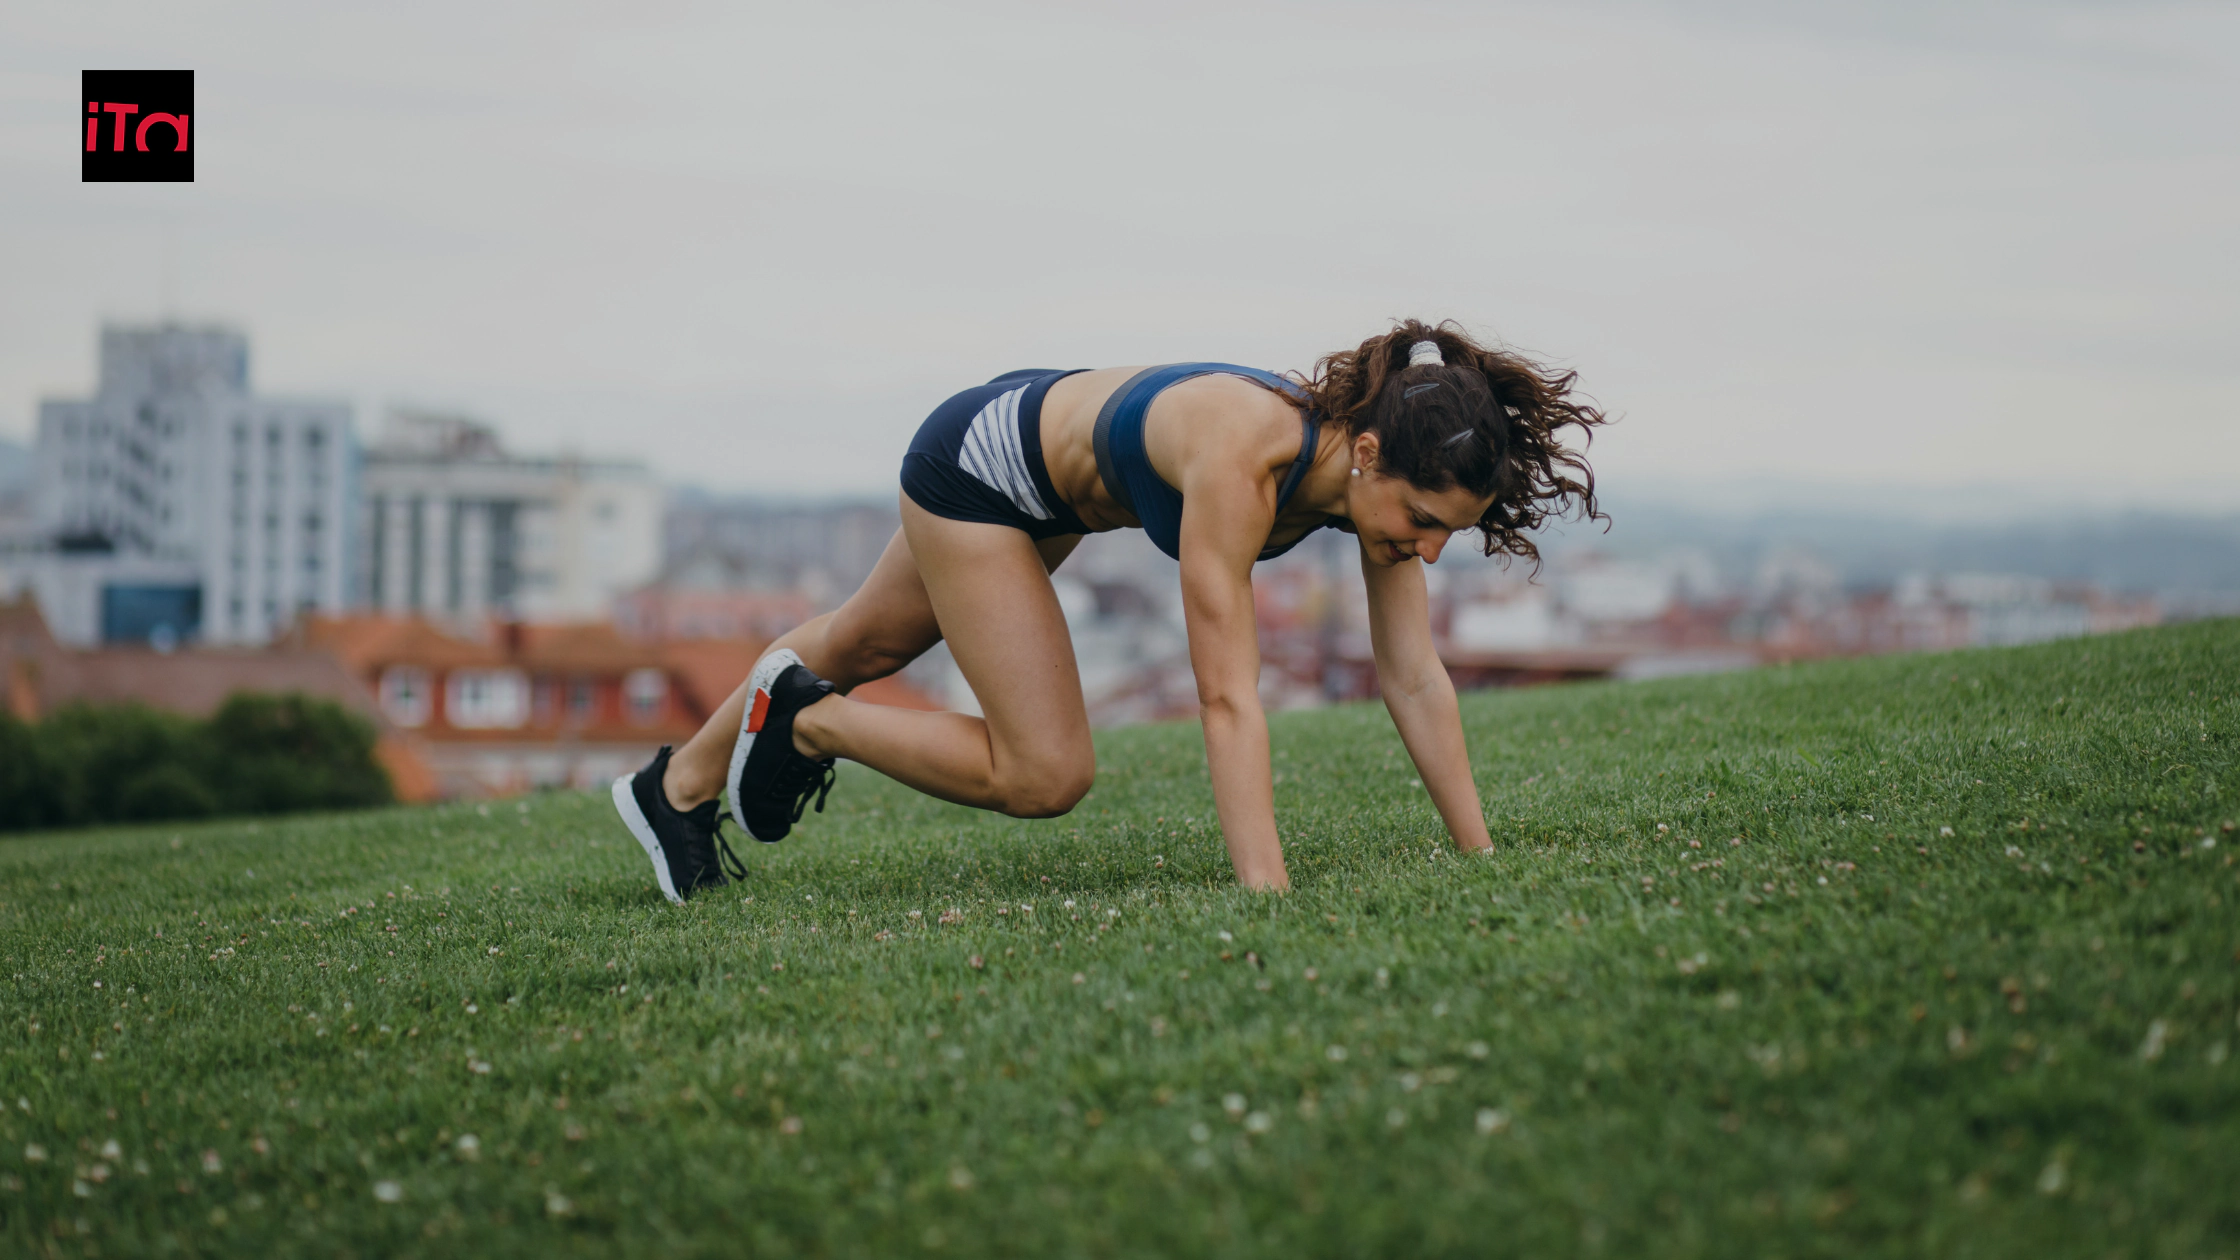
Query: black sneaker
682, 843
770, 783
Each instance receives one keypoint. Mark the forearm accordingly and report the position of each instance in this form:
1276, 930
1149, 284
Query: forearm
1430, 724
1244, 796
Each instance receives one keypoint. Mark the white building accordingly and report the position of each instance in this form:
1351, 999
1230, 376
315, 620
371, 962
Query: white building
174, 505
453, 528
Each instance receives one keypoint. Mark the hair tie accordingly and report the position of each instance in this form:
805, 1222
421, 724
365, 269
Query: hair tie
1426, 354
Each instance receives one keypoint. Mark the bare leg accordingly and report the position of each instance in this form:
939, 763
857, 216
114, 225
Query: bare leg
1030, 756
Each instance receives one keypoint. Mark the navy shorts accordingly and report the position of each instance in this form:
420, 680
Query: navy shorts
978, 457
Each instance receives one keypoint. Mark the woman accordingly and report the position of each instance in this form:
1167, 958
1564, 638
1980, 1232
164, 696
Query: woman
1402, 442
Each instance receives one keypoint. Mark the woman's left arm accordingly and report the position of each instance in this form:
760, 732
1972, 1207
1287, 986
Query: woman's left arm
1420, 696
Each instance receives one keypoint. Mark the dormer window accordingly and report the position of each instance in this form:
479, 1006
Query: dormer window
486, 699
404, 692
643, 691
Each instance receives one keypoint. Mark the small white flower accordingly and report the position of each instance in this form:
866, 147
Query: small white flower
470, 1146
388, 1191
1233, 1104
1259, 1122
1336, 1054
1491, 1121
2151, 1048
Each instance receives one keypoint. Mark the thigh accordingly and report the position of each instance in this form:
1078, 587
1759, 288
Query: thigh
989, 586
890, 615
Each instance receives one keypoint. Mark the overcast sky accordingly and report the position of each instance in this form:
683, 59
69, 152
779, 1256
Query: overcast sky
1921, 253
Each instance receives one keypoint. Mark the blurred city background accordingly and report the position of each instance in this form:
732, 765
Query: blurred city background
513, 619
510, 382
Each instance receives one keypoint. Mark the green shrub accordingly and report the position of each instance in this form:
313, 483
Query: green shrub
277, 754
259, 754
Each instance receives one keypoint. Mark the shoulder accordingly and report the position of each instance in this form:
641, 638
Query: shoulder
1233, 413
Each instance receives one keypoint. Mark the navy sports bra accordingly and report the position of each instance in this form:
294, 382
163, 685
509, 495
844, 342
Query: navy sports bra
1127, 472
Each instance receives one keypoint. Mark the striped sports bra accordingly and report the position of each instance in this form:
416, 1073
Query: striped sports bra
1127, 472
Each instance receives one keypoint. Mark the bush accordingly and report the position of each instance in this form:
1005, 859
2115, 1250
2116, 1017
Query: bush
259, 754
292, 752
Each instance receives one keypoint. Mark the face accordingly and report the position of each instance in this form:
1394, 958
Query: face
1398, 522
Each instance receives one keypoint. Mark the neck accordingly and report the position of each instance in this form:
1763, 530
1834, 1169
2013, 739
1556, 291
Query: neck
1323, 489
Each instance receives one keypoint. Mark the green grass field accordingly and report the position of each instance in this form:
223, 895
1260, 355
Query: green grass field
1919, 955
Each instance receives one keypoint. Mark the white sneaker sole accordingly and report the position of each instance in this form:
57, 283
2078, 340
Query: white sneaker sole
765, 673
626, 804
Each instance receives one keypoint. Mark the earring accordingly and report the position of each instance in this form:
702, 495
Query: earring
1356, 472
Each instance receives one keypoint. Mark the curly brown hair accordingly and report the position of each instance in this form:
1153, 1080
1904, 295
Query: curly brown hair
1488, 421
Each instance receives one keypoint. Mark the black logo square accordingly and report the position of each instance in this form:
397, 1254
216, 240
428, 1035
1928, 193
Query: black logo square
137, 127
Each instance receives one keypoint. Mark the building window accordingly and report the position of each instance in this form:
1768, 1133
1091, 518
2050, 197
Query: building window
583, 698
404, 692
486, 698
644, 690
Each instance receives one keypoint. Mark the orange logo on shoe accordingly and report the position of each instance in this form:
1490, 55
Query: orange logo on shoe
760, 711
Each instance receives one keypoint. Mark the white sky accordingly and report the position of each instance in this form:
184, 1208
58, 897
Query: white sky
1901, 251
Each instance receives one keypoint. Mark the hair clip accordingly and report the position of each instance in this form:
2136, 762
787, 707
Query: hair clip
1456, 440
1413, 390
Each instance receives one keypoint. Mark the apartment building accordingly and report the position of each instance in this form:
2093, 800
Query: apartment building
175, 505
453, 528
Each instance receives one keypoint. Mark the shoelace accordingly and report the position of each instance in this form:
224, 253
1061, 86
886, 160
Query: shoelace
726, 860
801, 778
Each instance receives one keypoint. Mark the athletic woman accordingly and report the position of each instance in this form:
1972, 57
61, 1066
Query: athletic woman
1401, 442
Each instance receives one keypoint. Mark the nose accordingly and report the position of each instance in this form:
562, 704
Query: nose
1430, 548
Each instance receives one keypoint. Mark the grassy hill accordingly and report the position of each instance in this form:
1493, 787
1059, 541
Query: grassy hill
1921, 955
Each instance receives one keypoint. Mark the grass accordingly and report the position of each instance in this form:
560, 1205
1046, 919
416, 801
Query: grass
1967, 985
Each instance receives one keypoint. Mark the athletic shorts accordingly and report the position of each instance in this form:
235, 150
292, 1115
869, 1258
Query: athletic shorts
978, 457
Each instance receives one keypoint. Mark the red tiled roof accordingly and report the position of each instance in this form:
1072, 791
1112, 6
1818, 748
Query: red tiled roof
195, 681
711, 669
588, 647
364, 644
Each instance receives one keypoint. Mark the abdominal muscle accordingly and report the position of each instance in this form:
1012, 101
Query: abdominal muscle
1069, 445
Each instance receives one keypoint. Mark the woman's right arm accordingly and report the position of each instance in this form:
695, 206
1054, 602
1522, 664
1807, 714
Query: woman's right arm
1217, 607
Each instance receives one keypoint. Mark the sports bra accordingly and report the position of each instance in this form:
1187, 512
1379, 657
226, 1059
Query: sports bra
1127, 472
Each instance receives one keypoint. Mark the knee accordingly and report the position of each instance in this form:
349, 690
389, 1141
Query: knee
860, 653
1048, 792
866, 659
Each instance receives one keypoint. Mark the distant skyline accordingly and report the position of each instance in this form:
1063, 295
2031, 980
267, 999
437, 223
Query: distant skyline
1901, 253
